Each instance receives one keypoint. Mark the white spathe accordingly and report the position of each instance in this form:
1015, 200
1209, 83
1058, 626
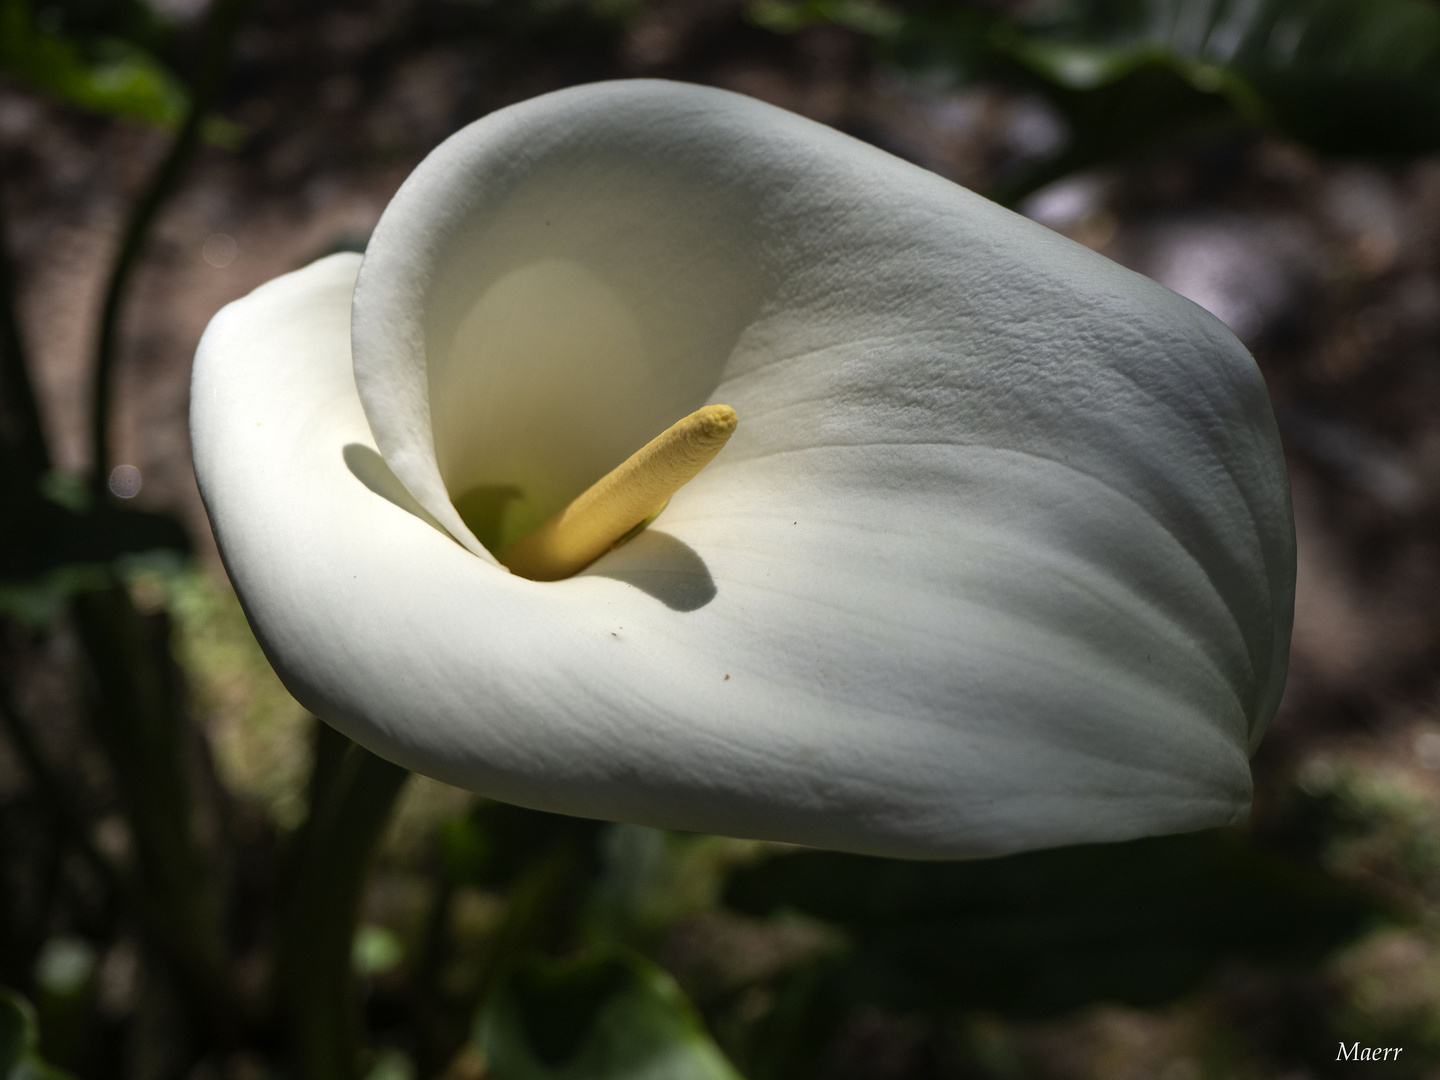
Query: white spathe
1000, 557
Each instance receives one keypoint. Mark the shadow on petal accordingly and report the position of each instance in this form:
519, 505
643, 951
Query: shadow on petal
367, 466
668, 569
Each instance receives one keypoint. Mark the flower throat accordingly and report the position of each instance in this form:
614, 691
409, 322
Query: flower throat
623, 501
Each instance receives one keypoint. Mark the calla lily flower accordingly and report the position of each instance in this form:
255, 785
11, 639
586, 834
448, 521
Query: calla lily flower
1000, 555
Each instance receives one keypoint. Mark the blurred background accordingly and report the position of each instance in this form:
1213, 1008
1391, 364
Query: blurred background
197, 880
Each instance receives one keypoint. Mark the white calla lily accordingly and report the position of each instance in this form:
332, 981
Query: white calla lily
1000, 555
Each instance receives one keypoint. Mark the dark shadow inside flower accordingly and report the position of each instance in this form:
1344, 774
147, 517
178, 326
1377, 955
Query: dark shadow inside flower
483, 508
668, 569
654, 562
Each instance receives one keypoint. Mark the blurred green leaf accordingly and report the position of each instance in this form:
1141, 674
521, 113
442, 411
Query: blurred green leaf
17, 1030
67, 490
651, 877
140, 22
65, 965
1138, 923
377, 949
391, 1065
1143, 102
464, 848
19, 1042
107, 75
54, 544
55, 526
497, 843
1345, 76
605, 1015
64, 985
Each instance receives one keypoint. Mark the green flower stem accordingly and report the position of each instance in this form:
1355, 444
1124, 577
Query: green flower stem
49, 787
425, 1008
136, 709
536, 913
223, 22
808, 1009
351, 794
21, 411
153, 910
529, 915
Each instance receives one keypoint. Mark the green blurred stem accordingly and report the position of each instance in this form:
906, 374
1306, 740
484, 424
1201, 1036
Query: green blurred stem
21, 409
352, 792
151, 901
221, 25
532, 910
529, 914
429, 961
137, 711
48, 785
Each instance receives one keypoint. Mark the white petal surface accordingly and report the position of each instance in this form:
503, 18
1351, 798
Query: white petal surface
1000, 556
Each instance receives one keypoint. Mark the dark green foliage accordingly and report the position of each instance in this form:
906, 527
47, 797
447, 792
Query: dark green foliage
605, 1014
1139, 923
1343, 76
1036, 935
94, 56
497, 843
39, 535
350, 798
19, 1042
557, 1003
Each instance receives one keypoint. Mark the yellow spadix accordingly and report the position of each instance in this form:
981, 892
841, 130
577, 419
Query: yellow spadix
623, 499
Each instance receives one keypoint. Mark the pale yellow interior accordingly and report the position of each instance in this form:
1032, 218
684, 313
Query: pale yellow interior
596, 305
